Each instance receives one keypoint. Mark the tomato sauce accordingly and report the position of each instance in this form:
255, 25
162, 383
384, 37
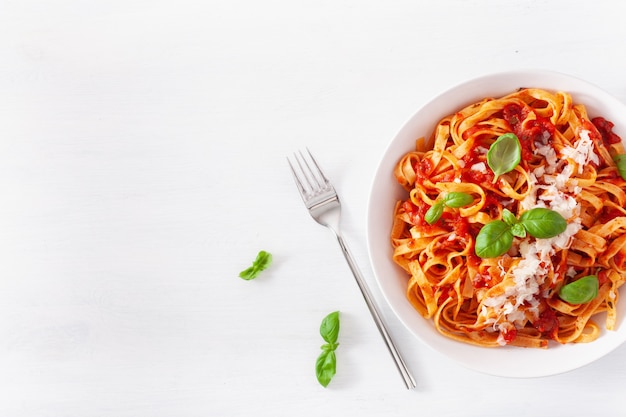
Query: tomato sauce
620, 259
609, 213
482, 281
548, 323
447, 291
606, 131
474, 260
454, 222
473, 156
528, 132
508, 334
416, 212
492, 205
476, 177
422, 170
461, 226
603, 278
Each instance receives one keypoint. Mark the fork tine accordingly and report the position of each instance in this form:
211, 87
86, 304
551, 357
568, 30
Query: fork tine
296, 177
309, 173
319, 170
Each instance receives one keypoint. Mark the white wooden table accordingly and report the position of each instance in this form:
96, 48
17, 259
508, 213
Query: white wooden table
142, 166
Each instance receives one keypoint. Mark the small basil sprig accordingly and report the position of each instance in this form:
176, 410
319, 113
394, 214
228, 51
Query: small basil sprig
326, 364
517, 228
504, 154
262, 261
543, 223
620, 161
454, 199
580, 291
496, 237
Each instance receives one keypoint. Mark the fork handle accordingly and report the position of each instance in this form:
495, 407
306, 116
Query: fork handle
371, 304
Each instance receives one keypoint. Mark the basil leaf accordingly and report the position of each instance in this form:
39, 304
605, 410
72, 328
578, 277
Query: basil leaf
580, 291
518, 230
262, 261
434, 212
620, 160
325, 367
329, 329
504, 154
456, 199
509, 218
326, 363
494, 239
327, 347
543, 223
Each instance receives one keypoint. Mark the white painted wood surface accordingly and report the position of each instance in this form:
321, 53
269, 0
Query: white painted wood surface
142, 166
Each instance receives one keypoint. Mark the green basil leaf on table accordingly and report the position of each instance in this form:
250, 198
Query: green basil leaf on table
329, 329
494, 239
580, 291
262, 261
504, 154
325, 367
326, 363
543, 223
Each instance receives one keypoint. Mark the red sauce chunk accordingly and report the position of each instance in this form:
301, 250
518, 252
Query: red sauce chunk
476, 177
457, 224
620, 259
422, 170
603, 278
416, 212
508, 333
539, 129
548, 323
606, 130
447, 291
482, 281
514, 114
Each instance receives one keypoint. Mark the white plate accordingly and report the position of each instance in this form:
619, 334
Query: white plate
385, 191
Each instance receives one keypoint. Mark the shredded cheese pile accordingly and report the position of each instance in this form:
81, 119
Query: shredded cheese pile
550, 187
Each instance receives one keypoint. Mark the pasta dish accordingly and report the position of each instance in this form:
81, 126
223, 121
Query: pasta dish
513, 228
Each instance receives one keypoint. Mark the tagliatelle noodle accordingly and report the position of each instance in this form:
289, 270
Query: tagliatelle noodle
567, 166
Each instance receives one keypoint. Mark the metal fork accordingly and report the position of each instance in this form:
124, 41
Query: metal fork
322, 201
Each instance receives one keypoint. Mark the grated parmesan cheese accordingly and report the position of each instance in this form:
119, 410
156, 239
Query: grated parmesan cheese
549, 154
583, 151
480, 167
550, 186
